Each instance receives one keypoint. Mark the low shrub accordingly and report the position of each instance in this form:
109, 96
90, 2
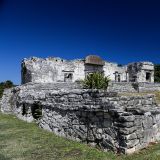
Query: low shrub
96, 80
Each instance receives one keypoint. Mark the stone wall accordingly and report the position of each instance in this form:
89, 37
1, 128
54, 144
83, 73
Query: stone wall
141, 72
121, 87
144, 87
133, 87
113, 86
6, 104
53, 69
112, 122
49, 70
110, 69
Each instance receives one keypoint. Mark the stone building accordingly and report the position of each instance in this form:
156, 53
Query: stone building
141, 72
52, 70
123, 124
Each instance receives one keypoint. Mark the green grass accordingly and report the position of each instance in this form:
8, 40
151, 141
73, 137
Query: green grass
25, 141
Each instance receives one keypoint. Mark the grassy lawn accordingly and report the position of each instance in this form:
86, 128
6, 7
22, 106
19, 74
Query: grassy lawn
23, 141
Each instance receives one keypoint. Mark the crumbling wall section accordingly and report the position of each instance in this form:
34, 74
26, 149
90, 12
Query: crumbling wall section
133, 87
146, 87
51, 70
121, 87
8, 100
141, 72
111, 69
112, 122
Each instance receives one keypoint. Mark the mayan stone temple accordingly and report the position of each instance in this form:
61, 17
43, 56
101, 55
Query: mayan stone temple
51, 70
51, 94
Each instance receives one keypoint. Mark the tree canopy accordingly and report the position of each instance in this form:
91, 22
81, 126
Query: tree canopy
157, 73
5, 85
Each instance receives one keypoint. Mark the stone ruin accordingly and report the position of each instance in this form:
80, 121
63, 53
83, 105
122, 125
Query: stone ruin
50, 96
51, 70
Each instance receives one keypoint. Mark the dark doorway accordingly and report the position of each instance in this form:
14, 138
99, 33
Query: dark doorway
68, 77
36, 111
24, 110
119, 78
134, 79
116, 76
148, 76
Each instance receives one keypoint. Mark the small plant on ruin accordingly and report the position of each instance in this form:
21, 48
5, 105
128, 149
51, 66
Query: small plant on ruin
96, 80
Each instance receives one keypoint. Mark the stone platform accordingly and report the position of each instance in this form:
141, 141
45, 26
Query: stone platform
104, 119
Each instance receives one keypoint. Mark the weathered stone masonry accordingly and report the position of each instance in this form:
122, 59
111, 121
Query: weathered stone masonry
133, 87
122, 124
49, 70
105, 119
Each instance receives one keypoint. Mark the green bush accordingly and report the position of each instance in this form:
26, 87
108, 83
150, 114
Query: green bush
96, 80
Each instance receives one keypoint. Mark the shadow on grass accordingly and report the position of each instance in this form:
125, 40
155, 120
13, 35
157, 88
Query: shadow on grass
2, 157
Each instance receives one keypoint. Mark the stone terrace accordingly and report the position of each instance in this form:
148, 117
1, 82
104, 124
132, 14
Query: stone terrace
118, 123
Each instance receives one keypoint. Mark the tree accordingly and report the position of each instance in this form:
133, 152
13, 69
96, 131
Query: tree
157, 73
8, 84
96, 80
5, 85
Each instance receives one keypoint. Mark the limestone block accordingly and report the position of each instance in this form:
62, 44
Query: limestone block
127, 118
127, 131
125, 124
130, 144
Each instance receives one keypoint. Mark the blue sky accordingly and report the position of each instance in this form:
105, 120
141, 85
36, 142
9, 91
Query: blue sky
118, 31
